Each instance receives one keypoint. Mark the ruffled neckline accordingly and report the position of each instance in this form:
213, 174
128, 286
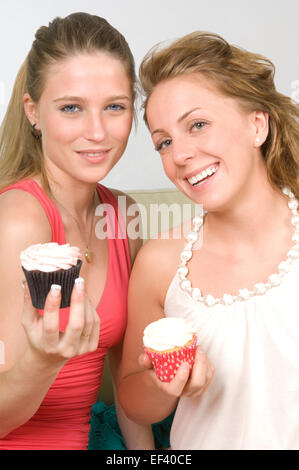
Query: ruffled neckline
244, 294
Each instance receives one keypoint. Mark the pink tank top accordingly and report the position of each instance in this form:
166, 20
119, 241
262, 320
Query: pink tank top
62, 421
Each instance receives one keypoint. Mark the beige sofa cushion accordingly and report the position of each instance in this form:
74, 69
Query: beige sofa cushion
162, 209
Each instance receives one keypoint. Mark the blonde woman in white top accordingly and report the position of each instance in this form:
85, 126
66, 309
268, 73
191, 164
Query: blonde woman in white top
229, 141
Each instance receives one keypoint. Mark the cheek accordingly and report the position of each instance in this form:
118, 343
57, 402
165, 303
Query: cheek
60, 131
169, 168
120, 129
225, 142
217, 141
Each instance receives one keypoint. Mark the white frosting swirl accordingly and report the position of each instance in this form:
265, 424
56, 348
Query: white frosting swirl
49, 257
167, 333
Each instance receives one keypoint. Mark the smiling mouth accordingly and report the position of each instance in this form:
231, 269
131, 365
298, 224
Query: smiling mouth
94, 157
93, 154
199, 178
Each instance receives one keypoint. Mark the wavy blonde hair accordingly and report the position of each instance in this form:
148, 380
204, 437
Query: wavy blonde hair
240, 74
20, 153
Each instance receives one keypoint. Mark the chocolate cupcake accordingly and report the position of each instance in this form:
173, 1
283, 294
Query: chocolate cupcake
49, 263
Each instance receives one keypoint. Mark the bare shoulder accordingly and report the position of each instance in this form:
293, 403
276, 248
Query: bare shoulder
163, 253
155, 266
22, 217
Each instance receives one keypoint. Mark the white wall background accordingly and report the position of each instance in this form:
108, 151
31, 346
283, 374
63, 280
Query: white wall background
269, 27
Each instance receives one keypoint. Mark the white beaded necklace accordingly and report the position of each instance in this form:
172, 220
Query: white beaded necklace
243, 294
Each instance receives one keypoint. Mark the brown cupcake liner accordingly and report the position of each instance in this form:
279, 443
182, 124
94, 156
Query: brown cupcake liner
166, 363
40, 282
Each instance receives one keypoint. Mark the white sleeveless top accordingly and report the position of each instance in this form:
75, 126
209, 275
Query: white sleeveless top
253, 341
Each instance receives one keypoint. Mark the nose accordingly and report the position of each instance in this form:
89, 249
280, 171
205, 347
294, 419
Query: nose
182, 151
95, 127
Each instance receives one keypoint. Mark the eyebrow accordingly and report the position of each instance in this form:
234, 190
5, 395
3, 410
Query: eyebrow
180, 119
79, 98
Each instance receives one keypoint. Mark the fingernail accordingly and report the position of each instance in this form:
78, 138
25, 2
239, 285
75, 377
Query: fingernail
79, 284
55, 290
25, 289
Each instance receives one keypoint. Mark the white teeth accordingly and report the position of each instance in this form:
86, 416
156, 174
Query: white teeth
192, 180
200, 176
93, 154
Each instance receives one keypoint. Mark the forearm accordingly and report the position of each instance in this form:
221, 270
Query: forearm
22, 389
142, 401
136, 436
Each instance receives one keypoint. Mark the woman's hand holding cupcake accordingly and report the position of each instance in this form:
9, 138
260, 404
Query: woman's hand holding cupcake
191, 382
46, 341
180, 367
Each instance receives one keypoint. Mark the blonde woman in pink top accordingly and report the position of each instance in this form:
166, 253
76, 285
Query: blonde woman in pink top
66, 126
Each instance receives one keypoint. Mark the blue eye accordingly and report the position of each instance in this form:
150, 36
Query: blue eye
70, 108
115, 107
163, 144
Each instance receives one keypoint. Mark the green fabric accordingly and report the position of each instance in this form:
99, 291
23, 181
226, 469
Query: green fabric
105, 432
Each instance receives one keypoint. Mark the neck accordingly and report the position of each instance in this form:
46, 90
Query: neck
78, 202
254, 214
76, 197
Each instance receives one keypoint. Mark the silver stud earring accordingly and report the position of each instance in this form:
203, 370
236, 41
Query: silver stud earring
257, 140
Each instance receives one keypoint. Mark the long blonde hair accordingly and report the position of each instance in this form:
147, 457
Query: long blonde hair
20, 153
239, 74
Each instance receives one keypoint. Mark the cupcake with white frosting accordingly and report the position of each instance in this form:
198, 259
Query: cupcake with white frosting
45, 264
169, 342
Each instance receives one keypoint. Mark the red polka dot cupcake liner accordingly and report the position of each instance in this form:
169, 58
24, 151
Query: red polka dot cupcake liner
166, 363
